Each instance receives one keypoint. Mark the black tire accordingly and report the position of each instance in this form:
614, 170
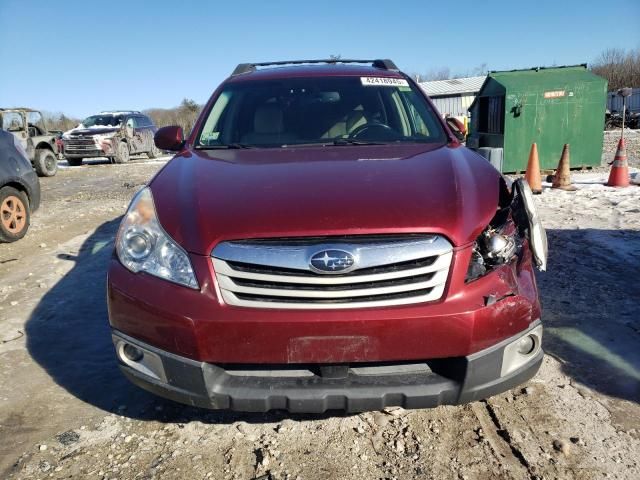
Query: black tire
45, 163
74, 162
15, 216
154, 152
122, 153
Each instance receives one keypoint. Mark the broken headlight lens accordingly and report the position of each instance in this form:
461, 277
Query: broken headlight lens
528, 219
143, 246
493, 247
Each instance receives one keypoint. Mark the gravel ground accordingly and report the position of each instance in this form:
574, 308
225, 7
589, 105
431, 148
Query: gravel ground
632, 146
66, 412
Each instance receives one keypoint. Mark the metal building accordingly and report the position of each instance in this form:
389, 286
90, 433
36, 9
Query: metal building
614, 101
454, 96
548, 106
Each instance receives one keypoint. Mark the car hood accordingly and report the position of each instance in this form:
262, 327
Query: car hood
97, 130
204, 197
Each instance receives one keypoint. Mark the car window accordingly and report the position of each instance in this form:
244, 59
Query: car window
12, 122
104, 120
35, 119
146, 121
131, 122
319, 110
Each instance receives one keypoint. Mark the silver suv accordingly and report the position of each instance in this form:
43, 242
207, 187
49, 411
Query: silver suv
115, 135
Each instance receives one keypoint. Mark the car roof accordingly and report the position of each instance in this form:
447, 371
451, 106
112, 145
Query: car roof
314, 68
120, 112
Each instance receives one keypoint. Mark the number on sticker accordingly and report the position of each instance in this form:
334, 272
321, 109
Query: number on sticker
383, 82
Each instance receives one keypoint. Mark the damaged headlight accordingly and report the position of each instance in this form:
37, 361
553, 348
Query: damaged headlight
493, 247
502, 240
529, 222
104, 136
143, 246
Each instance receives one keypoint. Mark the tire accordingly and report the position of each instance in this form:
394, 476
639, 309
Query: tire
74, 162
45, 163
154, 152
15, 216
122, 153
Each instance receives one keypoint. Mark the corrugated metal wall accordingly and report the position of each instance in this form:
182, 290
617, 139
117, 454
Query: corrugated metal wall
614, 101
455, 106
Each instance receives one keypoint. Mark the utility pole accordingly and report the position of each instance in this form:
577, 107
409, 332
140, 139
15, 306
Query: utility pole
624, 93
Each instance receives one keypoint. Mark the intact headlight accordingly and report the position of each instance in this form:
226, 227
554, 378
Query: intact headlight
143, 246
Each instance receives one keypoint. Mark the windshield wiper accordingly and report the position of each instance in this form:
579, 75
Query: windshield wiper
353, 141
224, 146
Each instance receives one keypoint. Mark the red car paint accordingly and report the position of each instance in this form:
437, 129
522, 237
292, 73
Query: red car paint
205, 197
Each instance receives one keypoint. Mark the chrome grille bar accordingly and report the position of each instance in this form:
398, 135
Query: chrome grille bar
388, 272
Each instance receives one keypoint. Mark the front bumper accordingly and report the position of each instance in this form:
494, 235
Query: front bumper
85, 154
353, 388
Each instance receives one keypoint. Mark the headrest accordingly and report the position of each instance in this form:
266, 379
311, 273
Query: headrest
268, 119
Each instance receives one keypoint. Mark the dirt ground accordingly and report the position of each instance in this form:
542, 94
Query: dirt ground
67, 412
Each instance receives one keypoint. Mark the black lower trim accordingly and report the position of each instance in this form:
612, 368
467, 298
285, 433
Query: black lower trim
450, 382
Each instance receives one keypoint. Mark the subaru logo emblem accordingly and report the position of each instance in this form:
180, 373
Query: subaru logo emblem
332, 261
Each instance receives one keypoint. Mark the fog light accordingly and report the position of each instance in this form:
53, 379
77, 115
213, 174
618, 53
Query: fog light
522, 350
526, 345
132, 353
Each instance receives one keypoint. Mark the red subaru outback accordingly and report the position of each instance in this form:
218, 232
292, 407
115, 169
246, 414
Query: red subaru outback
322, 240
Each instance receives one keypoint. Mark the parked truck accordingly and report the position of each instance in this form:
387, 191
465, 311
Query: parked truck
29, 127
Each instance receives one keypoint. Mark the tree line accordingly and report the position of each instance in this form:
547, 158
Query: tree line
620, 67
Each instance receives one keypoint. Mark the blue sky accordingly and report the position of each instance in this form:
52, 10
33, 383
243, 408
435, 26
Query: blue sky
87, 56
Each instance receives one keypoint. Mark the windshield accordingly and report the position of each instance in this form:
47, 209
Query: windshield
319, 110
102, 121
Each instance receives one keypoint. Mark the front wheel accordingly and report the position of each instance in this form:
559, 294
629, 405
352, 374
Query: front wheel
45, 163
154, 152
14, 214
122, 153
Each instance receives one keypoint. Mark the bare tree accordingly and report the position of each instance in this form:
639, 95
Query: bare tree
444, 73
619, 67
59, 121
433, 74
184, 115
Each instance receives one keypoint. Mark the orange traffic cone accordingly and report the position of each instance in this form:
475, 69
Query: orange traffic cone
619, 176
562, 178
532, 174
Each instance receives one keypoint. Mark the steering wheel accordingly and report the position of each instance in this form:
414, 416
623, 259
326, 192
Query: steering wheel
384, 129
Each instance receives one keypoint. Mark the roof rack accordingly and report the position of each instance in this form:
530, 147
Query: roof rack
385, 64
119, 111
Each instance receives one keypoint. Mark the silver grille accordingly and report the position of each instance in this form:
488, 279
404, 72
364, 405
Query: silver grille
83, 144
389, 270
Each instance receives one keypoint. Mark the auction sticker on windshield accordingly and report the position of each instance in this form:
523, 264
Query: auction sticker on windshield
383, 82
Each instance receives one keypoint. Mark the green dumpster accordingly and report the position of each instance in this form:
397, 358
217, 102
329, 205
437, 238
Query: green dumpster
549, 106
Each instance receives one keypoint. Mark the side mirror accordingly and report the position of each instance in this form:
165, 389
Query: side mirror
457, 128
169, 138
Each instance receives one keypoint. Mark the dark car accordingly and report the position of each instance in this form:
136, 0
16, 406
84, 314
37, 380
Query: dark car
322, 240
19, 189
115, 135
